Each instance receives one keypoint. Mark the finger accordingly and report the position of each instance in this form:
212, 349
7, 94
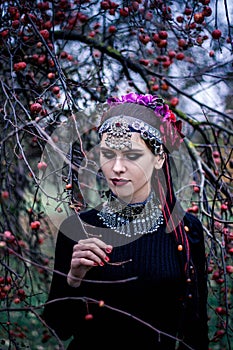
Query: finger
89, 250
80, 256
83, 261
107, 247
88, 247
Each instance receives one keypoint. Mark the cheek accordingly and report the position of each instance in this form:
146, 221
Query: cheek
141, 172
105, 165
102, 161
146, 165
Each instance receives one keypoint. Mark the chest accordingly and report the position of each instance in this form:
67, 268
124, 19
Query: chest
151, 258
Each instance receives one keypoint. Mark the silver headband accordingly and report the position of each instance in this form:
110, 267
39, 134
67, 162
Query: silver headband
119, 130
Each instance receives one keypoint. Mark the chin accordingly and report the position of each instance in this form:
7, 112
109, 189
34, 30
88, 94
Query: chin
126, 197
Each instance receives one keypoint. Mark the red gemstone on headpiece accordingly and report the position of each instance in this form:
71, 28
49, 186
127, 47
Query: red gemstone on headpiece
118, 124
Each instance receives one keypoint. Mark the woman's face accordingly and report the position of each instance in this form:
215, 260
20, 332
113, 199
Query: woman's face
128, 171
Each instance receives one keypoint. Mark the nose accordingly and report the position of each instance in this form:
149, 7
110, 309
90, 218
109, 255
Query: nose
118, 166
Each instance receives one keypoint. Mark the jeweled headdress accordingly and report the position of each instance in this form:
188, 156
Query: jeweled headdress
169, 130
119, 128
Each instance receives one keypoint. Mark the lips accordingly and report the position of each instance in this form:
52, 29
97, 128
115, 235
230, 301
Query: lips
119, 182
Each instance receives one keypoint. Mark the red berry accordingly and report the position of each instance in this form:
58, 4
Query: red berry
216, 34
215, 275
20, 66
44, 33
224, 207
172, 54
196, 189
144, 38
112, 12
51, 75
193, 209
35, 224
219, 333
180, 56
167, 64
8, 236
163, 34
105, 5
56, 90
174, 101
112, 29
162, 43
4, 33
188, 11
124, 12
35, 107
156, 37
6, 288
135, 5
5, 194
229, 268
21, 291
63, 54
164, 86
48, 25
41, 59
182, 43
144, 62
180, 19
88, 317
207, 11
198, 17
220, 310
220, 281
155, 87
16, 300
15, 24
42, 165
148, 16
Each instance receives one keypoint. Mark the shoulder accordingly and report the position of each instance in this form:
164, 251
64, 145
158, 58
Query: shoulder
90, 216
194, 228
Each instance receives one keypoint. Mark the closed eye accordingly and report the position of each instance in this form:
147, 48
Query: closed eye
128, 155
108, 154
133, 156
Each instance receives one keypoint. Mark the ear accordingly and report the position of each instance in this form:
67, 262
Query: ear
159, 160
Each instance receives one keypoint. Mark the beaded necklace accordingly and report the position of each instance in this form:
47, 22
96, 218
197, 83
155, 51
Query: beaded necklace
132, 219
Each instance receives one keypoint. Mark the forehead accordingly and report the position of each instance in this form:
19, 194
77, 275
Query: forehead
136, 140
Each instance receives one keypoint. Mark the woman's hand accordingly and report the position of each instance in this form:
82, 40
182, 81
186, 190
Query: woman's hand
86, 254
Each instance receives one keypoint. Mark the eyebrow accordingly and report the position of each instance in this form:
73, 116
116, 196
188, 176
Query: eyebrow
126, 151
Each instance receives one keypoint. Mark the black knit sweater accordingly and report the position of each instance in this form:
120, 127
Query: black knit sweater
145, 297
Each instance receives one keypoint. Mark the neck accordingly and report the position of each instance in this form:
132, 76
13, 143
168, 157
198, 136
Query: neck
130, 201
135, 199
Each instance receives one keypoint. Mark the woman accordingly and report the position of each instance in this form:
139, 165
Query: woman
132, 270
